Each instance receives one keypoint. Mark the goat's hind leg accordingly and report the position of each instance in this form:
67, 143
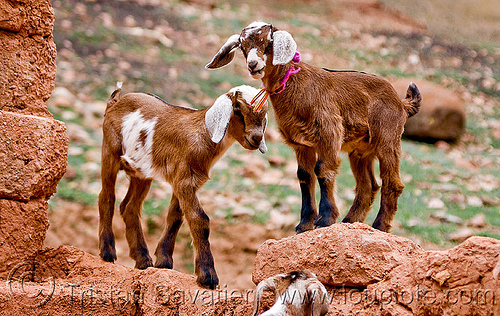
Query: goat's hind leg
130, 209
165, 248
392, 187
366, 187
106, 204
306, 160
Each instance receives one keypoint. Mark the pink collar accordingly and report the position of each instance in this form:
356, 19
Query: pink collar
263, 94
290, 71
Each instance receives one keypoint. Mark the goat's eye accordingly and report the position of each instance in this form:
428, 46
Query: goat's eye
268, 48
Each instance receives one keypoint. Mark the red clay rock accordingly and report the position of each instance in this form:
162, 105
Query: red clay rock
442, 114
340, 255
33, 155
28, 56
376, 273
74, 282
461, 281
22, 231
33, 150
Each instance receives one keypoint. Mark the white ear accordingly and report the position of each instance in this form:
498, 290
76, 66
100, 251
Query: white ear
284, 47
262, 146
217, 117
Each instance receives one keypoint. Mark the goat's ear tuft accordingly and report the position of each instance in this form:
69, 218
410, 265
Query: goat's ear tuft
284, 47
218, 116
226, 54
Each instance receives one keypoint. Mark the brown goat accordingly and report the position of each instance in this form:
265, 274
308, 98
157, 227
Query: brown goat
322, 112
148, 138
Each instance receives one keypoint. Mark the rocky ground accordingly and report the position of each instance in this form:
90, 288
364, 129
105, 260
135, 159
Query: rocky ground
162, 47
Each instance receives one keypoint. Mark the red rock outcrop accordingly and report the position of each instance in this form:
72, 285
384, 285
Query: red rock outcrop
33, 150
375, 273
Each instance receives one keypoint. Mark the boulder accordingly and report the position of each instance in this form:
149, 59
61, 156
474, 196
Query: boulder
34, 146
23, 226
340, 255
70, 281
369, 272
33, 155
442, 115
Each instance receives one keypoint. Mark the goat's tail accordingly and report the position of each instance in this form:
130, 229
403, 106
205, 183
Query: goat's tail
413, 100
115, 96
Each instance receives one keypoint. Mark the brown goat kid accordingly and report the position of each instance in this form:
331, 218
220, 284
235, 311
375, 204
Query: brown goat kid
148, 138
321, 113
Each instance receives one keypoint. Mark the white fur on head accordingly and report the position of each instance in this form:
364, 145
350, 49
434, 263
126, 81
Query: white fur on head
284, 47
247, 92
218, 116
226, 54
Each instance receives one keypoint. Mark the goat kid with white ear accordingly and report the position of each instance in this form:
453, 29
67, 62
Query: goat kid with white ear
149, 138
298, 293
321, 112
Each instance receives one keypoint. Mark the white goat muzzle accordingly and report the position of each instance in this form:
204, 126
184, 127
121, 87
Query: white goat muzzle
256, 64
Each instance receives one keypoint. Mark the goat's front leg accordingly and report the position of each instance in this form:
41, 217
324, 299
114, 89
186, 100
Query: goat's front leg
326, 172
130, 209
109, 170
366, 187
199, 225
165, 248
306, 159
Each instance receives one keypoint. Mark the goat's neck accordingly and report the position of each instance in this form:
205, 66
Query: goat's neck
271, 81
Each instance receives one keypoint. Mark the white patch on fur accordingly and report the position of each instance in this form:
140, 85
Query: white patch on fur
284, 47
254, 27
218, 116
137, 154
247, 92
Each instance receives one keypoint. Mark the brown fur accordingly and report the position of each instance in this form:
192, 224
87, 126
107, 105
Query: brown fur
183, 150
321, 113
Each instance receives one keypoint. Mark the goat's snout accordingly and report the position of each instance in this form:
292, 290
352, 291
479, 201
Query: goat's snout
256, 140
252, 64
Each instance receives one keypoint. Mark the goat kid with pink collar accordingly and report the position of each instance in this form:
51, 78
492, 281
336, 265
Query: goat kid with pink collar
149, 138
320, 113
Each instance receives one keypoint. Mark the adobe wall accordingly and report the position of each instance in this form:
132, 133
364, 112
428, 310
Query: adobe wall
33, 146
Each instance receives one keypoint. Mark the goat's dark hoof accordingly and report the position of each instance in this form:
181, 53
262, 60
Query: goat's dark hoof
323, 222
381, 227
207, 278
303, 227
108, 255
164, 263
144, 263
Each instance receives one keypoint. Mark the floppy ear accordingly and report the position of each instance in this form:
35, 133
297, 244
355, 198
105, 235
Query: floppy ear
226, 54
262, 146
284, 47
217, 117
